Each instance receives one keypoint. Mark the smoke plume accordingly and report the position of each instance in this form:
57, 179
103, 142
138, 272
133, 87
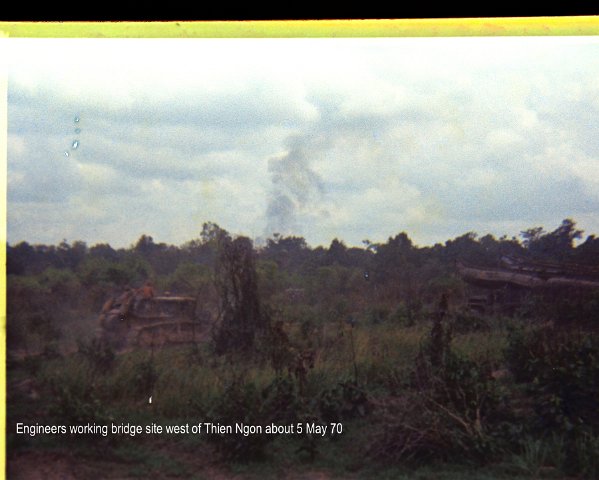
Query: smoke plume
295, 186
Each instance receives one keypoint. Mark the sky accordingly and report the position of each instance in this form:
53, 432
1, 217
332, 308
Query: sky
355, 139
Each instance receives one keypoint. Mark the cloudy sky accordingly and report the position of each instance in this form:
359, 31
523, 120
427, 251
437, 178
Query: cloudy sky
109, 139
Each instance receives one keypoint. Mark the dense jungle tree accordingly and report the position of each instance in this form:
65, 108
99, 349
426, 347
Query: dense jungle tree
557, 245
242, 320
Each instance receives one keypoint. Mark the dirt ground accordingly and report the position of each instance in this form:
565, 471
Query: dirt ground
33, 465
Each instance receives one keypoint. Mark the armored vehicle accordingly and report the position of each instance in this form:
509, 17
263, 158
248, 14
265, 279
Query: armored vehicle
149, 322
532, 275
505, 288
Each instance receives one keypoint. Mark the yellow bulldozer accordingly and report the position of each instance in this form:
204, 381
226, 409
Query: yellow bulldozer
130, 322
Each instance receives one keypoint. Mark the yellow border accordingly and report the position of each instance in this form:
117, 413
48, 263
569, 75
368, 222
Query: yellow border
3, 238
541, 26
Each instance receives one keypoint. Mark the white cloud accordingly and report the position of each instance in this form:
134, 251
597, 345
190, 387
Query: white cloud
433, 136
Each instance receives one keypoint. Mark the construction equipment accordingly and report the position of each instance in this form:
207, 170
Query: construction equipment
506, 288
150, 322
528, 274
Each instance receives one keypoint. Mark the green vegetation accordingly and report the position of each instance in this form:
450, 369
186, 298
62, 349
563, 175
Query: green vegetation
378, 339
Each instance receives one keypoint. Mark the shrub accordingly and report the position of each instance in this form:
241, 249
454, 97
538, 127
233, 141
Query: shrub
239, 403
451, 408
344, 401
281, 401
467, 322
561, 370
408, 432
464, 394
76, 400
376, 315
403, 316
78, 405
98, 354
144, 377
585, 460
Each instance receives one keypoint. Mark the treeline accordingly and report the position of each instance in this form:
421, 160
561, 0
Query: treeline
396, 279
381, 262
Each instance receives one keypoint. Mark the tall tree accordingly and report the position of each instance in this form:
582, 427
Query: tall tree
242, 321
554, 246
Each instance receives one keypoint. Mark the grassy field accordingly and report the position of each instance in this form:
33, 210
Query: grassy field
402, 417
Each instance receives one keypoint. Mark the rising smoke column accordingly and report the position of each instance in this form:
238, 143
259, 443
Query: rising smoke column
295, 186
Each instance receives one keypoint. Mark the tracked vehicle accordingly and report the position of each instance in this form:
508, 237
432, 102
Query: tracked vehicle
150, 322
505, 288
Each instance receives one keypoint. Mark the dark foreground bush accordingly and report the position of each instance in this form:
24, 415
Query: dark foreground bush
451, 408
244, 403
100, 357
344, 401
561, 371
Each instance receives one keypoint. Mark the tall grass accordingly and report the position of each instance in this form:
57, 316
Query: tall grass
187, 381
358, 370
